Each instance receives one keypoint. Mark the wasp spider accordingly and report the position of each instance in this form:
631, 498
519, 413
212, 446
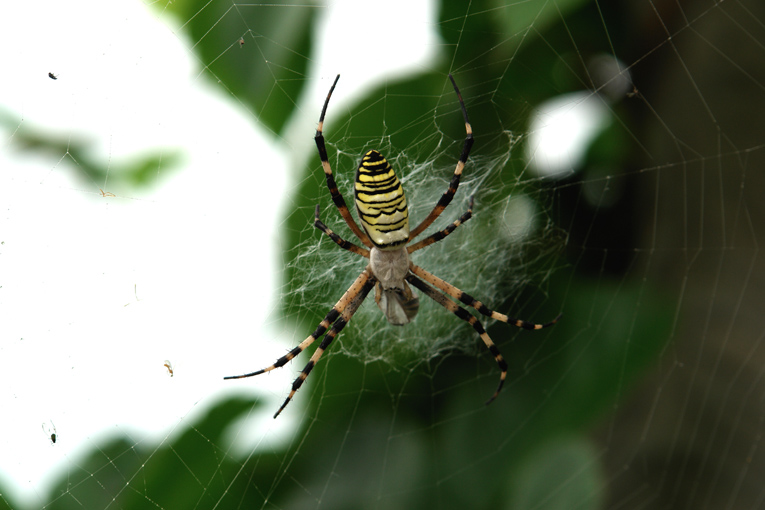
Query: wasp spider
382, 209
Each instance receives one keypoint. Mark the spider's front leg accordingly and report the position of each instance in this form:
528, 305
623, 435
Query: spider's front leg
342, 311
463, 314
470, 319
338, 326
469, 300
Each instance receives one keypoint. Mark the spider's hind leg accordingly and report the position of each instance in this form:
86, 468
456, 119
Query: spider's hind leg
446, 198
342, 243
337, 197
434, 238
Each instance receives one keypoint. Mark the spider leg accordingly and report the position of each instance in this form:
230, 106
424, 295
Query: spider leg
469, 300
470, 319
337, 198
342, 243
338, 326
434, 238
353, 291
455, 182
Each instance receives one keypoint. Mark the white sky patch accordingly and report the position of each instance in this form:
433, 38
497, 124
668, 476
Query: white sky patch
96, 293
561, 131
367, 47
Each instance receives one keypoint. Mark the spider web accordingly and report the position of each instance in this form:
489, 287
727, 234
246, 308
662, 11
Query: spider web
617, 150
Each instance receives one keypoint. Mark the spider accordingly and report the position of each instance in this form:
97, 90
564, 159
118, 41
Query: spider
382, 209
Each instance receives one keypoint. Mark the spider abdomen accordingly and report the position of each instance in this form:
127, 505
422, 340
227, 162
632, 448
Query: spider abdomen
380, 202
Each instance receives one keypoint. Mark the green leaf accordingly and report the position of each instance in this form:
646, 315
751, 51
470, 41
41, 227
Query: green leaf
560, 475
259, 53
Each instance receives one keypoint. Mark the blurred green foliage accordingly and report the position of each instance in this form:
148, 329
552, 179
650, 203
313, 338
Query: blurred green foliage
273, 44
377, 437
139, 171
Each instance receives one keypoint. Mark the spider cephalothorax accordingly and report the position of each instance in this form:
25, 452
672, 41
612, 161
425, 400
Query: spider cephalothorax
384, 216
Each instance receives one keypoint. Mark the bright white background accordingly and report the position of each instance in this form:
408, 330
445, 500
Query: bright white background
95, 292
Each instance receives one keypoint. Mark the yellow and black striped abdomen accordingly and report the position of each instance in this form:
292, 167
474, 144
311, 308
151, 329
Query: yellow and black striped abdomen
380, 202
